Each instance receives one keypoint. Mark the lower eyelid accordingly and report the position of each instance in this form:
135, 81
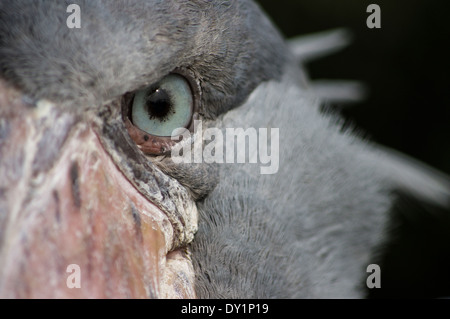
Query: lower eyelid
147, 143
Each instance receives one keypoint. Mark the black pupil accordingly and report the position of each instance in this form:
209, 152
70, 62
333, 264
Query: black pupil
159, 105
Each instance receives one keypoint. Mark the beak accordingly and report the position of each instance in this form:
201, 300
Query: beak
71, 224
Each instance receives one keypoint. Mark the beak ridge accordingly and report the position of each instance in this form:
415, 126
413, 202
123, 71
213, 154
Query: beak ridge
72, 224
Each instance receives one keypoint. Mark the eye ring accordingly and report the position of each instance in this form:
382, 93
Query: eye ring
155, 144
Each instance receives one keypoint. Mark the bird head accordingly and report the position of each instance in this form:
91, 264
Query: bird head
83, 180
92, 202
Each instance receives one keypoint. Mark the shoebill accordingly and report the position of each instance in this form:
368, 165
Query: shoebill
92, 203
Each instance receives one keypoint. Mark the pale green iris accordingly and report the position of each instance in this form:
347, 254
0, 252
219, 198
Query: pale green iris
164, 106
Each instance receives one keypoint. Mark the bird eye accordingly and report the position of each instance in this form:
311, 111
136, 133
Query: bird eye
152, 114
164, 106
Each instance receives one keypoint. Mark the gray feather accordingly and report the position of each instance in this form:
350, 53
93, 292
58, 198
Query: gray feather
314, 46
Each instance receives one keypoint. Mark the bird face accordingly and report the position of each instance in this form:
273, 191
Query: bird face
86, 117
62, 207
92, 202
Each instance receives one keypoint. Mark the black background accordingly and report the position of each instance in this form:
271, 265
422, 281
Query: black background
406, 67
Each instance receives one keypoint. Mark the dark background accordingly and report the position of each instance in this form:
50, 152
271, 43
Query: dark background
406, 66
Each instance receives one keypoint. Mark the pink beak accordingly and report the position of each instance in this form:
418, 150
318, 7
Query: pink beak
71, 224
